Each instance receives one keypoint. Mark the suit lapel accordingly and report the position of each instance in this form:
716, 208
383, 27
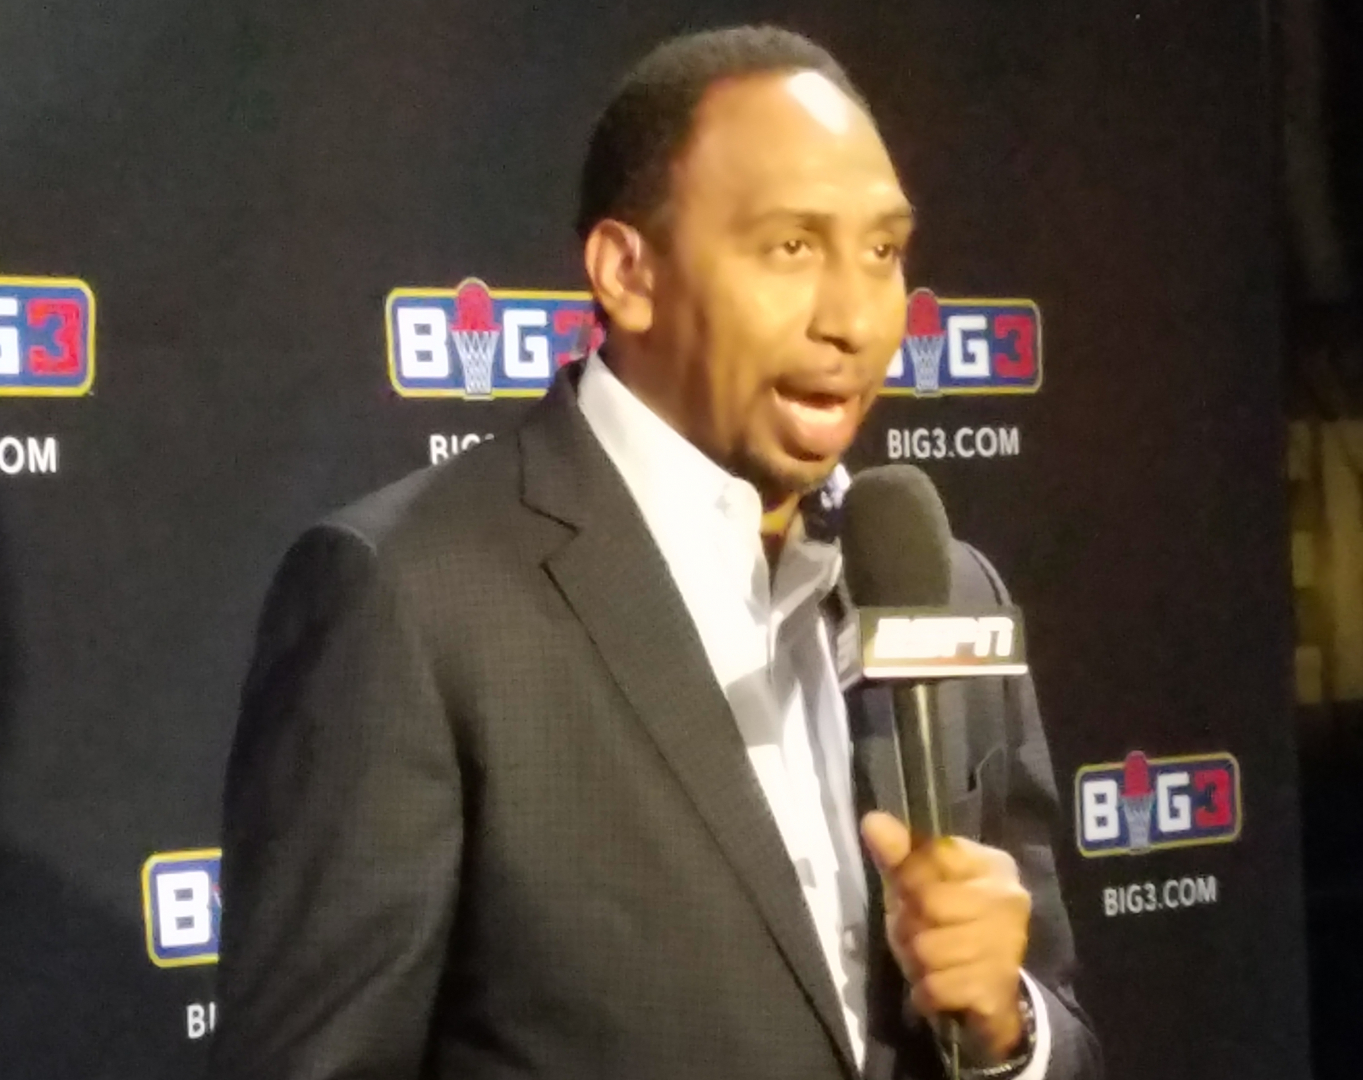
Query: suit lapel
877, 774
877, 784
617, 583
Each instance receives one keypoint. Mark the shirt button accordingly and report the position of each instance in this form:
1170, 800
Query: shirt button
852, 942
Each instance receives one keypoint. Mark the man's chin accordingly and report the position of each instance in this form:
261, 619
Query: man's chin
780, 476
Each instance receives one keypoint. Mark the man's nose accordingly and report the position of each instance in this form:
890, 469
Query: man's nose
844, 313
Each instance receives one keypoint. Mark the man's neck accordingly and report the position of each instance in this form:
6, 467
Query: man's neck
779, 524
779, 518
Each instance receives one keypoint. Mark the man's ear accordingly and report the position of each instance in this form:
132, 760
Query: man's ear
620, 269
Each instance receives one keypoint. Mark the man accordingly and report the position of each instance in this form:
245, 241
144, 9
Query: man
543, 768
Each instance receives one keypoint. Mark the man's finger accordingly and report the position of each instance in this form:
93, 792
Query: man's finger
916, 873
946, 947
887, 840
949, 903
955, 990
959, 859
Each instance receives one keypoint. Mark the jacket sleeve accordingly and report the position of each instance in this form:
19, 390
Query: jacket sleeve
342, 831
1030, 821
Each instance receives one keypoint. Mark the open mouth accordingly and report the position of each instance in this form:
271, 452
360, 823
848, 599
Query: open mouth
817, 408
816, 423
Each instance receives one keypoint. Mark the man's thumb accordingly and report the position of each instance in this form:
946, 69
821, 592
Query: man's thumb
887, 840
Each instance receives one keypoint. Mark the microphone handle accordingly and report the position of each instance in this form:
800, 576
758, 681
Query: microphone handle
920, 755
926, 811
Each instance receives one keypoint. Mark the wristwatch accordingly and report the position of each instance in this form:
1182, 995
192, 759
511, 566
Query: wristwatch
1018, 1061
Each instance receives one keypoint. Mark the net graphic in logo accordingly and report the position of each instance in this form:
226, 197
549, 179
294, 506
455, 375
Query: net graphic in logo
182, 907
967, 347
479, 343
1148, 804
47, 337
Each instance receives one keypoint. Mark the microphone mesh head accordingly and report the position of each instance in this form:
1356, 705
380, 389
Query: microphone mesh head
896, 540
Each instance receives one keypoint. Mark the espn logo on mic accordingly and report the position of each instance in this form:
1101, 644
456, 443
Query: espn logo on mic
922, 643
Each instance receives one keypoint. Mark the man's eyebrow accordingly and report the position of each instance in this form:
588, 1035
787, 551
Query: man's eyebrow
905, 215
900, 215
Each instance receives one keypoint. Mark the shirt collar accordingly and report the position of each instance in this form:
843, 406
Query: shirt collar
674, 483
667, 475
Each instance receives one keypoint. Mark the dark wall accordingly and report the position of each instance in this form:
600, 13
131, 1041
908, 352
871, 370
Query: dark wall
243, 183
1343, 33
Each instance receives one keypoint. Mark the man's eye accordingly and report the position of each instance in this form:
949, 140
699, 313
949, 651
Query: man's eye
887, 252
794, 246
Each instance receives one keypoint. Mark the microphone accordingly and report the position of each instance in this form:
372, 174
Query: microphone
897, 560
897, 554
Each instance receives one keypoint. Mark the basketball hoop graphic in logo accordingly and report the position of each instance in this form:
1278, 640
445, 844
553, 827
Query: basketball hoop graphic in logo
926, 339
1138, 800
475, 335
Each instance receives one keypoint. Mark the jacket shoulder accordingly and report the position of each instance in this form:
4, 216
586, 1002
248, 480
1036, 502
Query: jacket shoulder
457, 498
974, 580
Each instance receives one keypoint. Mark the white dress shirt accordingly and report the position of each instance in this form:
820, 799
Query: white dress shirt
769, 648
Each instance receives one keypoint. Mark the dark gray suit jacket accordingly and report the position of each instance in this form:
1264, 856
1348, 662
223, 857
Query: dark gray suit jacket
488, 814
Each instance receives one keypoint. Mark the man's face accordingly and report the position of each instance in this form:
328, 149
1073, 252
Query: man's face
778, 296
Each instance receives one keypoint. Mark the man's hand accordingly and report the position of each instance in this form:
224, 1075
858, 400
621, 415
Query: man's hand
956, 917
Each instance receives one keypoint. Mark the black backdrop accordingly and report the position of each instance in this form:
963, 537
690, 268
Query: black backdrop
243, 183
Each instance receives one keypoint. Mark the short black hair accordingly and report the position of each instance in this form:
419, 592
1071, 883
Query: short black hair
646, 125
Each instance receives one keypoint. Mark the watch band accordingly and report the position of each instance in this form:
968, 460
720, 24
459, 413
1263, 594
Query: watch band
1015, 1064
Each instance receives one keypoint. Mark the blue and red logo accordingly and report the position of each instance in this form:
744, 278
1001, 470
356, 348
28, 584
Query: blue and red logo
968, 347
47, 337
182, 907
1148, 804
479, 343
476, 343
